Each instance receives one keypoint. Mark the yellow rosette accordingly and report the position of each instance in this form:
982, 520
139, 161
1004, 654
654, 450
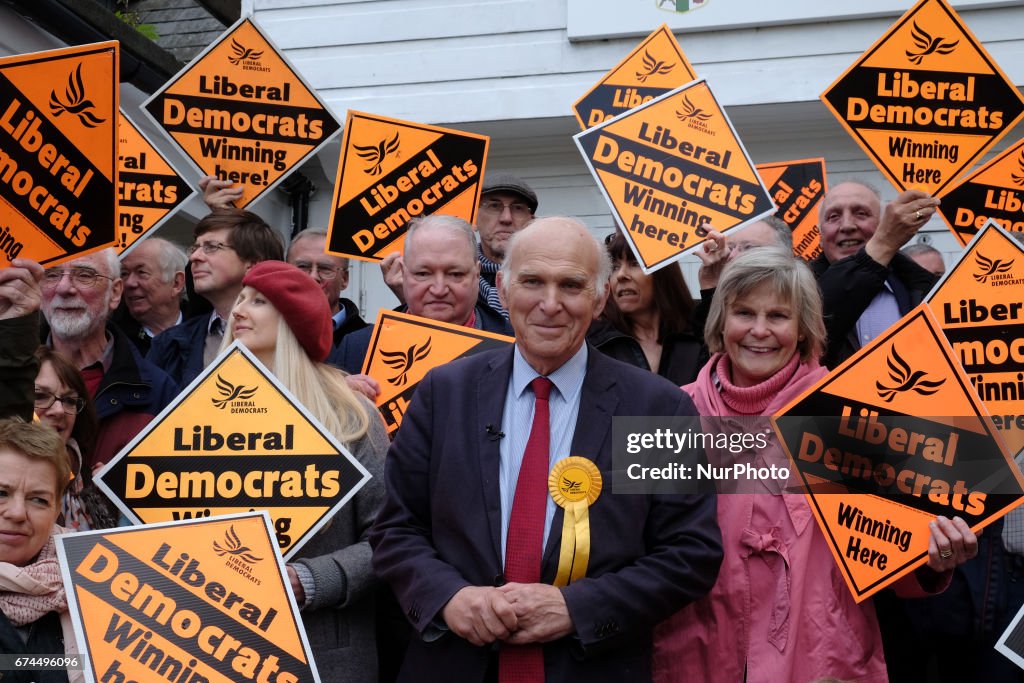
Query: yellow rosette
575, 483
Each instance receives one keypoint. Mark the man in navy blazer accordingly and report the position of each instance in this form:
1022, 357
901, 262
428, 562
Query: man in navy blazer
440, 539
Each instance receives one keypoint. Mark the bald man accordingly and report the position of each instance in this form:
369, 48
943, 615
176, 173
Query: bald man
470, 566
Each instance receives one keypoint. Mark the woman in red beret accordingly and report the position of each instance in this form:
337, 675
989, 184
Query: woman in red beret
282, 316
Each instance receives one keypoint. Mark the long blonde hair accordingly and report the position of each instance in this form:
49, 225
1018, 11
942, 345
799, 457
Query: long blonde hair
321, 388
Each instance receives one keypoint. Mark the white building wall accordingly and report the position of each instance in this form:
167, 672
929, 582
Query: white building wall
509, 69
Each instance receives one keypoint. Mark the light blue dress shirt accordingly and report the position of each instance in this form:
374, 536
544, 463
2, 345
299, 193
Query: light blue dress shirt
879, 316
517, 420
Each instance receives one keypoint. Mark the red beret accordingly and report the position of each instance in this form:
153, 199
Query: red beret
299, 300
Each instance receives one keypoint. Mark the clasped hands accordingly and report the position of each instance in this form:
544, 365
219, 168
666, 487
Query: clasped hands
516, 613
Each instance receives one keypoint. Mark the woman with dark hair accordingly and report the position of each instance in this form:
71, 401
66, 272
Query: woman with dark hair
647, 319
62, 403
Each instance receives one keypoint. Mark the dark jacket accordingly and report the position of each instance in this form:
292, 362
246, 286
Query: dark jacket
682, 354
956, 630
44, 638
350, 354
133, 329
440, 527
19, 339
178, 351
353, 321
131, 393
849, 285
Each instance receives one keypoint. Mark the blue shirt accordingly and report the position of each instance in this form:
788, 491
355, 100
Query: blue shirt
880, 315
517, 419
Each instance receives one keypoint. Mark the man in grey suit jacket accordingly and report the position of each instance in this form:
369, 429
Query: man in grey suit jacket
451, 475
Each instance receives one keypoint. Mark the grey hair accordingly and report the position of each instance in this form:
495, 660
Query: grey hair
918, 248
788, 277
453, 224
170, 259
311, 232
109, 258
783, 233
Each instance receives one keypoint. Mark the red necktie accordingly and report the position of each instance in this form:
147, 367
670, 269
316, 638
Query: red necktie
525, 543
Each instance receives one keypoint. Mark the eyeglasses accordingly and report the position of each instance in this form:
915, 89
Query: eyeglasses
326, 272
82, 278
72, 405
209, 248
496, 207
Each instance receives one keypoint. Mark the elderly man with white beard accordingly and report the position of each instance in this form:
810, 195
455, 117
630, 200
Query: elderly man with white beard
78, 299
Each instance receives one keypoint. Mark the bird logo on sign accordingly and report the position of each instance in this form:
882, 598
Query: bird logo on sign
691, 112
229, 392
243, 53
990, 267
653, 67
75, 101
376, 154
404, 360
927, 45
1019, 179
906, 380
233, 546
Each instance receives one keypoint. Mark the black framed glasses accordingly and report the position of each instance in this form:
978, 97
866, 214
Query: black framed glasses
72, 405
82, 278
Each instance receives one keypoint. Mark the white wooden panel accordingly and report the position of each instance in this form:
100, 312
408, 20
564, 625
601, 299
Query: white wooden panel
537, 74
590, 19
390, 21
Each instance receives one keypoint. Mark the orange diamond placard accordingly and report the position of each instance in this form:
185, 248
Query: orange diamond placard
926, 100
981, 310
656, 66
888, 440
198, 600
235, 440
404, 347
240, 111
58, 153
150, 189
797, 188
668, 167
392, 171
993, 192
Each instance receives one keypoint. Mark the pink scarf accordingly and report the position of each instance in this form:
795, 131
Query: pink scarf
28, 593
766, 398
